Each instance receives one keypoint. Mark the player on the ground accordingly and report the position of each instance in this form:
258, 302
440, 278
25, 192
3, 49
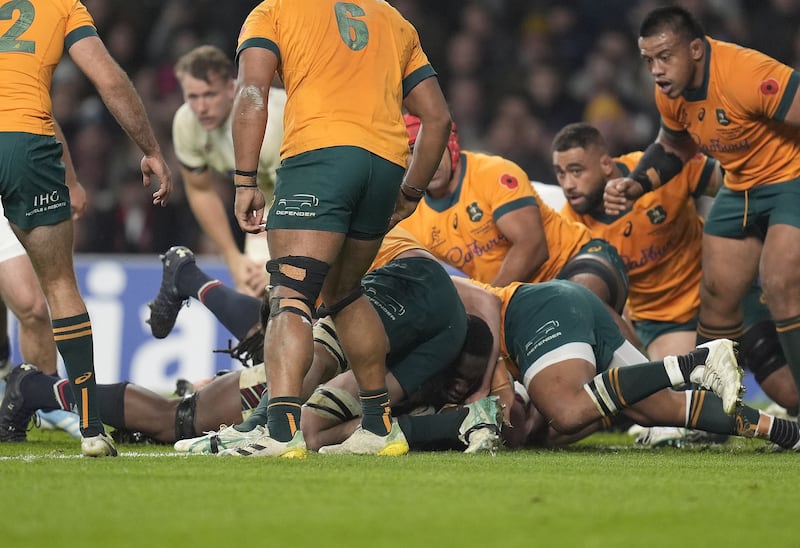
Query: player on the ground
578, 370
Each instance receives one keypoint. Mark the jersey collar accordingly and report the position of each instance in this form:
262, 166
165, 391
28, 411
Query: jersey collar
446, 202
701, 93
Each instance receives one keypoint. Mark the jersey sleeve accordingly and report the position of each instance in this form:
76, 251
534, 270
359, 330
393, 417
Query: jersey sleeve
260, 29
79, 25
507, 188
761, 86
697, 174
184, 141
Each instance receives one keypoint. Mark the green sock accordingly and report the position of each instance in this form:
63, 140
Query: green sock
283, 417
74, 342
423, 430
257, 418
789, 337
376, 411
621, 387
704, 412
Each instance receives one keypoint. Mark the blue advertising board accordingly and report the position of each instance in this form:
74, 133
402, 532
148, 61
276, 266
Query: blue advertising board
116, 290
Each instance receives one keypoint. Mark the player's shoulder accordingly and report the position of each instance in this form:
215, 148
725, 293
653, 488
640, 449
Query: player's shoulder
734, 57
186, 128
484, 161
630, 159
185, 117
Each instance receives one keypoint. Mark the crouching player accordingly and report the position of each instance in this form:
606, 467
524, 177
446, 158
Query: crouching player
579, 371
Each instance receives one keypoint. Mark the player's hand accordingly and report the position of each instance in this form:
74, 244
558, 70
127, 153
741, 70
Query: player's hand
249, 208
402, 209
248, 277
77, 198
620, 194
156, 166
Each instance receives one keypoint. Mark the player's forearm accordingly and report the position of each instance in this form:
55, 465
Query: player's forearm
520, 264
116, 90
427, 154
248, 126
126, 106
210, 213
663, 159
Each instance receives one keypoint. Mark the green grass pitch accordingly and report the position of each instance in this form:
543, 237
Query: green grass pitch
601, 492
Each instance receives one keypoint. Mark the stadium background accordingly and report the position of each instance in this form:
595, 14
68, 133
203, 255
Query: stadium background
514, 72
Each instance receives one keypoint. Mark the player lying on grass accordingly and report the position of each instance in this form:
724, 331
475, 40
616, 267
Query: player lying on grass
425, 324
419, 349
230, 398
580, 372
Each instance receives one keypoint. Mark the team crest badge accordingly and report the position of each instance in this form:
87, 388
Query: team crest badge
657, 215
722, 118
475, 213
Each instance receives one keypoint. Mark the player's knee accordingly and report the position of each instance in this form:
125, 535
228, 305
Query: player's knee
34, 314
760, 350
569, 415
781, 293
612, 279
566, 421
303, 275
327, 405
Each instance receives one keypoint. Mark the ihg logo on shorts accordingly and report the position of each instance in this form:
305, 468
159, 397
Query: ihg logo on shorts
46, 202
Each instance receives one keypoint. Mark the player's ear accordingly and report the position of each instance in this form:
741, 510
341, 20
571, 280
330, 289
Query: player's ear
697, 48
607, 165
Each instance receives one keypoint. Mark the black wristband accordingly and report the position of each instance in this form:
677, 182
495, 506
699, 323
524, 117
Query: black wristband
244, 173
656, 167
245, 186
644, 180
409, 197
418, 190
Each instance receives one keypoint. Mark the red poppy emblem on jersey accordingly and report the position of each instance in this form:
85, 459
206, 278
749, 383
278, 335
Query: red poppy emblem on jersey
509, 181
770, 86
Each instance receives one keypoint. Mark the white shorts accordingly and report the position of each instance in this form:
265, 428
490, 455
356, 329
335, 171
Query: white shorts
255, 247
9, 245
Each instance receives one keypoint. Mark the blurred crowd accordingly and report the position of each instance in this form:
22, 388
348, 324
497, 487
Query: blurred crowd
513, 71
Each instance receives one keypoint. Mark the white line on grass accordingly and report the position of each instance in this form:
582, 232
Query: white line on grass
60, 456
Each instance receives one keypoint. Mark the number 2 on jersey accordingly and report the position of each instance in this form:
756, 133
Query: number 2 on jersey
9, 42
